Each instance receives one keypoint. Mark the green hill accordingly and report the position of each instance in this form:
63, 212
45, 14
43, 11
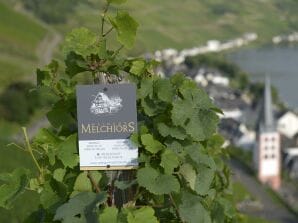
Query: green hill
19, 38
181, 24
166, 23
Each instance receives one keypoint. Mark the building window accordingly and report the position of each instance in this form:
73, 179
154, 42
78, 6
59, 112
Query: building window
272, 156
273, 139
272, 147
265, 157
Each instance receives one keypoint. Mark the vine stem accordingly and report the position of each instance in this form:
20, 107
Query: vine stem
103, 18
30, 150
107, 32
17, 146
175, 207
117, 51
94, 184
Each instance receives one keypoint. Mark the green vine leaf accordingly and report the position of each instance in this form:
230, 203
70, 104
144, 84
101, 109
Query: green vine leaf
189, 174
59, 174
80, 208
83, 183
164, 90
144, 215
75, 64
49, 198
60, 116
203, 180
192, 211
45, 136
175, 132
229, 209
146, 88
83, 42
156, 182
169, 161
150, 107
67, 151
181, 112
151, 145
202, 124
126, 28
138, 67
109, 215
199, 123
12, 186
195, 152
194, 112
45, 77
191, 92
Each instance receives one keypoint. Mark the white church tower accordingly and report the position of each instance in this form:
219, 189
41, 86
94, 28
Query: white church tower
267, 154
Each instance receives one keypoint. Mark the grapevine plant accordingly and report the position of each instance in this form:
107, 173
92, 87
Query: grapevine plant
181, 175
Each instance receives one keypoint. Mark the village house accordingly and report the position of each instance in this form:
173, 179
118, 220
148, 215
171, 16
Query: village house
291, 162
287, 124
211, 76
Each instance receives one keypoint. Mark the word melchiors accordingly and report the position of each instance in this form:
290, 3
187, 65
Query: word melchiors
105, 128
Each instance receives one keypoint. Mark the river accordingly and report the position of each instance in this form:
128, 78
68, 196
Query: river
281, 62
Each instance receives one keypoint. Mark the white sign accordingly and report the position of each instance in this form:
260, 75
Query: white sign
107, 117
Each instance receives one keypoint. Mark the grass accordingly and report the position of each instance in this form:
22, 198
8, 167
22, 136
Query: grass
241, 193
277, 199
250, 219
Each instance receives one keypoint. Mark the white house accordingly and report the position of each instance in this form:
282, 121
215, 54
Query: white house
250, 36
200, 79
234, 113
248, 138
291, 162
288, 124
213, 45
220, 80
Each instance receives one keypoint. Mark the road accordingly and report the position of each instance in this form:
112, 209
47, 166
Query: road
270, 209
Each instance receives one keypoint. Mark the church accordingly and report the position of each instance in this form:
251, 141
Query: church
267, 151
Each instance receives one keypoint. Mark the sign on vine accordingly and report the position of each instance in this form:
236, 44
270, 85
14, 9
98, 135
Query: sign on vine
107, 117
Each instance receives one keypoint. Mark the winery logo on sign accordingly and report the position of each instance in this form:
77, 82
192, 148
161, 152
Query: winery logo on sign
102, 104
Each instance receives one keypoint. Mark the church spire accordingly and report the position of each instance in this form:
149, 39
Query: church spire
268, 113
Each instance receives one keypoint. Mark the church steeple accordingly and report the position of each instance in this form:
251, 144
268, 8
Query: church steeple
268, 124
267, 153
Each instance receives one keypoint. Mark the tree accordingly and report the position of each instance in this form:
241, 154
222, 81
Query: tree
18, 102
